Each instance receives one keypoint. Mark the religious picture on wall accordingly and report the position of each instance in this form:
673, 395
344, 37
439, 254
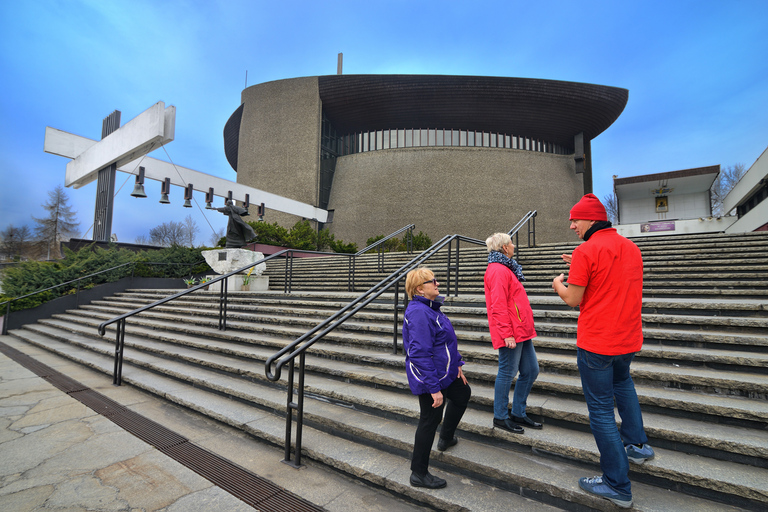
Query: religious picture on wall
662, 205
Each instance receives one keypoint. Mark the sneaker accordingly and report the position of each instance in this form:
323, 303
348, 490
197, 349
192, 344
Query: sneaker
639, 454
596, 486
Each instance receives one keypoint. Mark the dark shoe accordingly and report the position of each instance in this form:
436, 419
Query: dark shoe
444, 444
526, 421
429, 481
507, 424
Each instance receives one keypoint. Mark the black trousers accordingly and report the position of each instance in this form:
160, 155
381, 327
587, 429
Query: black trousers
455, 400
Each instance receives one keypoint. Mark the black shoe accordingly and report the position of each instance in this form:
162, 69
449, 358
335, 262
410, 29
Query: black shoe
508, 425
528, 422
444, 444
429, 481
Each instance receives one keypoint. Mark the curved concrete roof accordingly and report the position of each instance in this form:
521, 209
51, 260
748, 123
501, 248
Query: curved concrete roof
549, 110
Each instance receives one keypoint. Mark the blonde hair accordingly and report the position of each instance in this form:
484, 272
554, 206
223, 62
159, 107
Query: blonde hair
496, 241
416, 278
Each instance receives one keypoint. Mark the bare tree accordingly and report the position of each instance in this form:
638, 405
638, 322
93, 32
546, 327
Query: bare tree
58, 226
724, 183
190, 230
168, 234
216, 236
15, 241
611, 207
142, 240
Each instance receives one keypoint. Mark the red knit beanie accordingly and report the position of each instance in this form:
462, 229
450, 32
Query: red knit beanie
589, 208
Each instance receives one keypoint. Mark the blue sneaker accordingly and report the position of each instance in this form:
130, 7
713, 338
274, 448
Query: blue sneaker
639, 454
596, 486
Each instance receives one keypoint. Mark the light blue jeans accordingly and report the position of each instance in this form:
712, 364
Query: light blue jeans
522, 358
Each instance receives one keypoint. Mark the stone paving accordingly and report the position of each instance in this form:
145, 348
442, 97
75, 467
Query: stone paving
56, 454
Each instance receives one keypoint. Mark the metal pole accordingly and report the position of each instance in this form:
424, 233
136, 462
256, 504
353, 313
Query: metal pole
300, 409
394, 329
117, 378
289, 414
7, 318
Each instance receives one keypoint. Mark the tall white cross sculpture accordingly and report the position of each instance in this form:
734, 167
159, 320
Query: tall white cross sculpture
120, 146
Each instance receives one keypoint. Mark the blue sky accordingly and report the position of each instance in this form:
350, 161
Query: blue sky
696, 71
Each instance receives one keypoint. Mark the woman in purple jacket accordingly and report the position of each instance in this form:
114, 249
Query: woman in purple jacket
433, 365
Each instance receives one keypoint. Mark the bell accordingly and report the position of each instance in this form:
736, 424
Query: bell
187, 204
164, 199
138, 190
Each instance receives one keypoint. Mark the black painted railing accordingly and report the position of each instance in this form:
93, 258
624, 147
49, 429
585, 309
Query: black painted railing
78, 282
297, 349
288, 254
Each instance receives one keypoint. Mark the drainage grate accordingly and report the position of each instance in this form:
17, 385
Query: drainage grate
238, 481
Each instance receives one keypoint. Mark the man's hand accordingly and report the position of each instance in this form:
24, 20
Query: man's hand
510, 342
437, 399
567, 258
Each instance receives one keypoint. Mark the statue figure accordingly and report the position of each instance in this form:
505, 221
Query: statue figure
238, 231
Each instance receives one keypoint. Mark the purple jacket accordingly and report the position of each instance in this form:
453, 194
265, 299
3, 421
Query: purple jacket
432, 357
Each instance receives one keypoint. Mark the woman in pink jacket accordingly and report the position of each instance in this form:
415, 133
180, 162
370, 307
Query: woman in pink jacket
510, 320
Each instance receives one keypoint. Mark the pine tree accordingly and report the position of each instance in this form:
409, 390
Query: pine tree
58, 226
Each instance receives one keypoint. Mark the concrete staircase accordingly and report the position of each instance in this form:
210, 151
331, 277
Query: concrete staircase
702, 376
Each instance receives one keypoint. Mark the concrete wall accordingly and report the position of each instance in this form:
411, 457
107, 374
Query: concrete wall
470, 191
279, 148
681, 206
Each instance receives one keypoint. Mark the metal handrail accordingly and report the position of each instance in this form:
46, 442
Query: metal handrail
377, 243
120, 334
530, 219
298, 348
8, 302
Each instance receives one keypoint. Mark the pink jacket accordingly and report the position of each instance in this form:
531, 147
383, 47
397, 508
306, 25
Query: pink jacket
509, 311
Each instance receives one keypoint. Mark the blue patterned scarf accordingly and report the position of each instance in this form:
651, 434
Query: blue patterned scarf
515, 267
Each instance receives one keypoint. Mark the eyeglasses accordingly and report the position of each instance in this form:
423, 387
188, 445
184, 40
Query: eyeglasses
433, 281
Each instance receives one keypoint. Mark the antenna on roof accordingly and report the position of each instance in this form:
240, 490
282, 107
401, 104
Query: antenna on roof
338, 63
246, 79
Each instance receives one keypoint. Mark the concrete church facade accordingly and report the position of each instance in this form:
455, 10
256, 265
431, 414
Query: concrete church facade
451, 154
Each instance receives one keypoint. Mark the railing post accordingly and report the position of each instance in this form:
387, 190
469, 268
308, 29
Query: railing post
351, 274
117, 376
223, 298
532, 231
298, 406
77, 295
288, 272
457, 268
7, 317
290, 406
300, 409
396, 308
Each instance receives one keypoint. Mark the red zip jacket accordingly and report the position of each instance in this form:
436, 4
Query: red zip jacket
509, 312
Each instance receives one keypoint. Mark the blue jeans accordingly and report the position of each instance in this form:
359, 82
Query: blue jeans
522, 358
604, 378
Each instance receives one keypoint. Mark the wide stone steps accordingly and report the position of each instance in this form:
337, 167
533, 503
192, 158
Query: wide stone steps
716, 266
506, 478
357, 348
477, 335
223, 374
701, 378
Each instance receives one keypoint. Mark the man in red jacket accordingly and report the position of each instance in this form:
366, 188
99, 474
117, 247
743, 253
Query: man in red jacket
605, 280
510, 321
